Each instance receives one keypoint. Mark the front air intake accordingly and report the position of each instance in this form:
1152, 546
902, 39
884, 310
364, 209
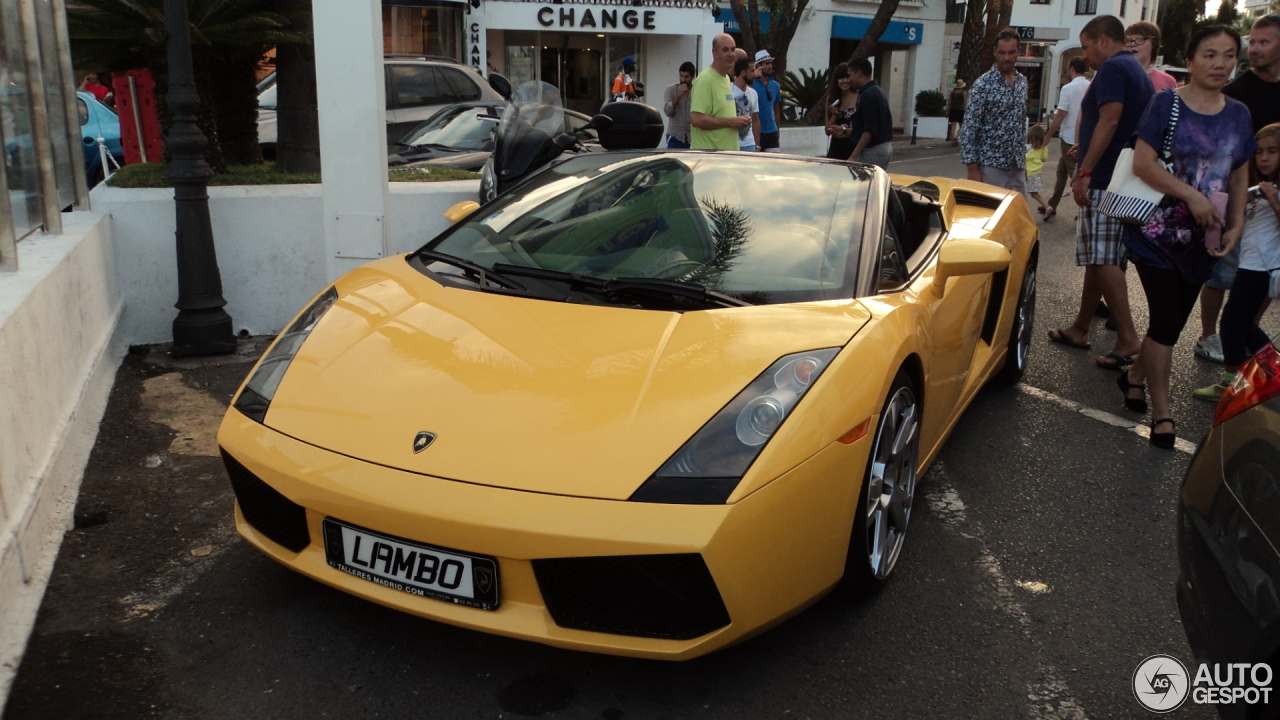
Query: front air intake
263, 507
656, 596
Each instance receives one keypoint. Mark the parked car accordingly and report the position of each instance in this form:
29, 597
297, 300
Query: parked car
97, 120
644, 403
461, 136
1228, 530
416, 89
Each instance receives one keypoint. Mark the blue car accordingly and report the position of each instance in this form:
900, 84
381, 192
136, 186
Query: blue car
97, 120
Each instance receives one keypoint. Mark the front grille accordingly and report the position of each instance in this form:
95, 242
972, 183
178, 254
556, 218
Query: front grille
658, 596
263, 507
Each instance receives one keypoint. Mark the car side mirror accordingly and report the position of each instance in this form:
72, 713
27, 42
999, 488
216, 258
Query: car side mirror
459, 211
500, 85
969, 257
565, 140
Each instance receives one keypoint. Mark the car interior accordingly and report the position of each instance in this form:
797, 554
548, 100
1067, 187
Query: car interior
912, 231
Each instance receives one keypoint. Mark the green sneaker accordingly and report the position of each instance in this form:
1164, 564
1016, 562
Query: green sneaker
1214, 391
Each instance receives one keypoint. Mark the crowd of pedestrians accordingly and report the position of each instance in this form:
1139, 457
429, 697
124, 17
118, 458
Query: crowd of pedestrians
1201, 145
735, 103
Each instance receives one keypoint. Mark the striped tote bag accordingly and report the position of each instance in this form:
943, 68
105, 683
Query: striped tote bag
1129, 199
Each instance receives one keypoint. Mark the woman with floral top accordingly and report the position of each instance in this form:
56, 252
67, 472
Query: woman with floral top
1175, 251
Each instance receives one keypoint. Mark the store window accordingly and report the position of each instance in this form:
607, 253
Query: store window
16, 127
419, 31
521, 56
56, 100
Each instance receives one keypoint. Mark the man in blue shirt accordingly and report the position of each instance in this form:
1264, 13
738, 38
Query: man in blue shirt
1109, 116
872, 121
770, 94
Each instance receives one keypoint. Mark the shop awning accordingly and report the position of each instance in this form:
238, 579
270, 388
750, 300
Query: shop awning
725, 15
849, 27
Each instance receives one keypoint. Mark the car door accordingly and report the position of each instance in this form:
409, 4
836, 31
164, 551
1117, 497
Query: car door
414, 93
952, 323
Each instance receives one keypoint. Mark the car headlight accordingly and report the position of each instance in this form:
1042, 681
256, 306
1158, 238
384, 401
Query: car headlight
261, 388
488, 182
706, 469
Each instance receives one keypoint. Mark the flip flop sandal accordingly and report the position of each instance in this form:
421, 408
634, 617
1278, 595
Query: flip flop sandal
1060, 336
1119, 362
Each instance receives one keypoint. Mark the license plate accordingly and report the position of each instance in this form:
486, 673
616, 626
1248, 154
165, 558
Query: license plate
411, 567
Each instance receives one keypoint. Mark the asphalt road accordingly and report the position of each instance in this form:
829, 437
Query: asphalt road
1038, 574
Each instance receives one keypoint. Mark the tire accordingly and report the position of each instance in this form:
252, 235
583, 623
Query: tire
880, 521
1024, 318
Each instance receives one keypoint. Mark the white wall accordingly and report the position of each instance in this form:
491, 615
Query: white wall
58, 321
270, 244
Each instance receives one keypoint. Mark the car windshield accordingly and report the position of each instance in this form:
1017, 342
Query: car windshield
761, 230
461, 128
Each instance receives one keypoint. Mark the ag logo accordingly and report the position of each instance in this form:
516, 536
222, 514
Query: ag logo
423, 441
1161, 683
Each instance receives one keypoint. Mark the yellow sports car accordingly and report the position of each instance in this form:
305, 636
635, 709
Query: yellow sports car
645, 403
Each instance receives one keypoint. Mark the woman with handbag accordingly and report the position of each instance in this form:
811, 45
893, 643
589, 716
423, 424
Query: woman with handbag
1259, 271
1201, 216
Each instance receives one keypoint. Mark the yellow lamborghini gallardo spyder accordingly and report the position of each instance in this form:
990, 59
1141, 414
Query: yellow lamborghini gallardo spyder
645, 403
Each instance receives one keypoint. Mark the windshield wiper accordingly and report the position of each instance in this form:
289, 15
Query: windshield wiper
573, 279
673, 288
484, 276
656, 286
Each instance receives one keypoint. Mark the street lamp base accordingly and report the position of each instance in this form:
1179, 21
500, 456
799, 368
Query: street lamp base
202, 332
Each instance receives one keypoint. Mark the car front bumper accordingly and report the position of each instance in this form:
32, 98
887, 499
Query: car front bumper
770, 554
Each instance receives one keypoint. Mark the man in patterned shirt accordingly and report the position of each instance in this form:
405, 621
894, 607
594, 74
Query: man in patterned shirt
993, 141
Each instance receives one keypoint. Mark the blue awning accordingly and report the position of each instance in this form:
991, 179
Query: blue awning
725, 15
848, 27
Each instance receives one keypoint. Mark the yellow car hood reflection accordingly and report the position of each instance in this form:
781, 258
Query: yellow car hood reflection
527, 394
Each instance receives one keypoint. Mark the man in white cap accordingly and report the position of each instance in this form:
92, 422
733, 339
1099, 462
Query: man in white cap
770, 94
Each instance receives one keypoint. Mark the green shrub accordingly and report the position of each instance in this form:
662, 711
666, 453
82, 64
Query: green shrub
803, 91
931, 103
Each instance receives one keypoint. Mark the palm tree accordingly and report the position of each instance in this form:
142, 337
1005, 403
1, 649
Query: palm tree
784, 20
228, 40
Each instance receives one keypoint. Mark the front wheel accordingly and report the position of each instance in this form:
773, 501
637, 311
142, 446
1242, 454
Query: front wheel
1024, 318
888, 492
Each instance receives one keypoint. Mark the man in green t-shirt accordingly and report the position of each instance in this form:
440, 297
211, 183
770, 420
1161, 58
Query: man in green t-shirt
712, 113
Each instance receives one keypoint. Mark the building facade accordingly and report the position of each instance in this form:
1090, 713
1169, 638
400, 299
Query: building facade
578, 45
1050, 32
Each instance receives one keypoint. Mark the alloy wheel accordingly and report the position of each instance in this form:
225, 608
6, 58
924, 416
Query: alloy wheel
892, 481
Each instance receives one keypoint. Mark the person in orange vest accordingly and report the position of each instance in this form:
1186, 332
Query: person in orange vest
625, 86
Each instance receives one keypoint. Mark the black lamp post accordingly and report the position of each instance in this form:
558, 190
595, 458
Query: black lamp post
202, 326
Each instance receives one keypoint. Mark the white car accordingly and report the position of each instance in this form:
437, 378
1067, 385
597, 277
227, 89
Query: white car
416, 89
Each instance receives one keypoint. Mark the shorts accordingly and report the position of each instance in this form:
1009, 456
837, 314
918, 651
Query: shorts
1224, 271
1034, 183
1099, 238
769, 141
674, 144
1014, 179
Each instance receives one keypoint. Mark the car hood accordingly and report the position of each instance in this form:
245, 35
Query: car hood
527, 394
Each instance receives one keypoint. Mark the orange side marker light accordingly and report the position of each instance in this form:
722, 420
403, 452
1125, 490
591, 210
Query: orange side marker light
856, 433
